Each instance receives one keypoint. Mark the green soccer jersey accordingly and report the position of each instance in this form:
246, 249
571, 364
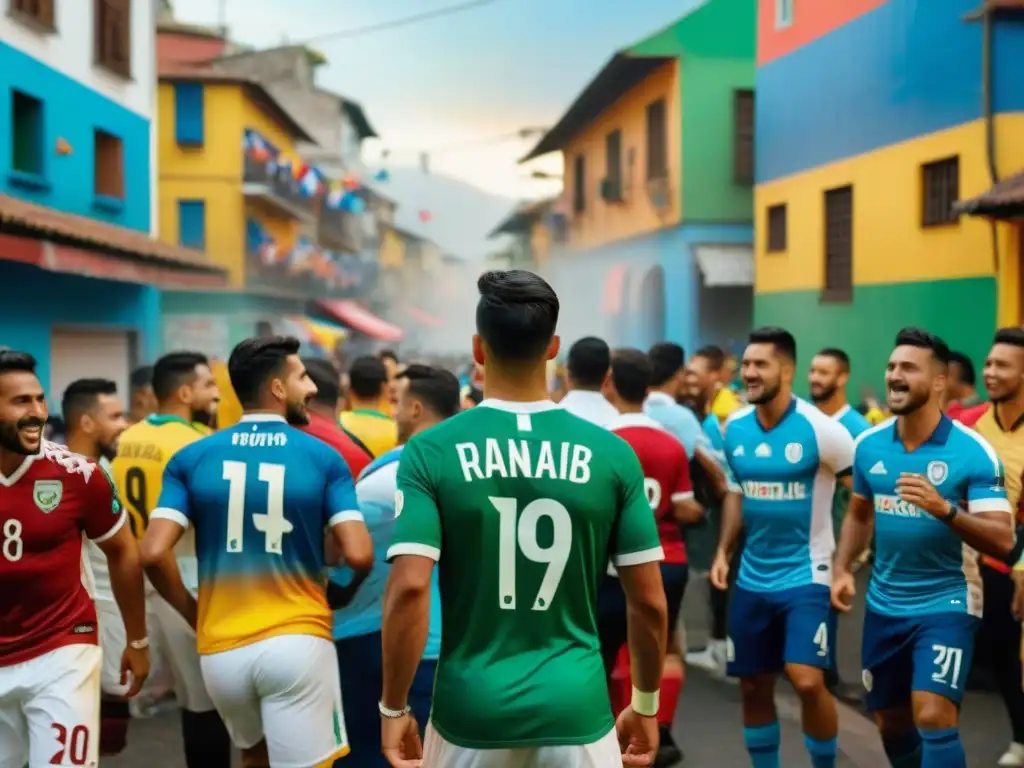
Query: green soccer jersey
521, 505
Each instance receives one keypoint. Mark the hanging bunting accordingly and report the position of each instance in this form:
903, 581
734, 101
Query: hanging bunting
425, 217
382, 176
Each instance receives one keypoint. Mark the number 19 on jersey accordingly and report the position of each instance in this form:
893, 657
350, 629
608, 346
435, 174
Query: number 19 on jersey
517, 533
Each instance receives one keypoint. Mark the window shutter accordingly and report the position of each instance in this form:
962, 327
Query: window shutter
192, 224
188, 114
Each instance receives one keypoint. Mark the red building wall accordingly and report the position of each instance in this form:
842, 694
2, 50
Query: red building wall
175, 48
811, 19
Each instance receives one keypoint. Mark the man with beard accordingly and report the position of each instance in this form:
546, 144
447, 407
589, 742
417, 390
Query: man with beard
186, 393
910, 476
999, 637
786, 455
263, 498
424, 396
50, 663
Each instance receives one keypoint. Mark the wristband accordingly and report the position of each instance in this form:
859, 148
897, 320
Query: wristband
645, 704
951, 514
139, 645
393, 714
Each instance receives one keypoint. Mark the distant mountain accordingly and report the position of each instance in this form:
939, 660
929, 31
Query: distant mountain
461, 215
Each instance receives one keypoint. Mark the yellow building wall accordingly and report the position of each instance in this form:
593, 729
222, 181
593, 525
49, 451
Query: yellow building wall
889, 243
602, 222
392, 249
540, 242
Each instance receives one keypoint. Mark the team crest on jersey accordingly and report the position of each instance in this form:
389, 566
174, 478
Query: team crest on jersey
937, 471
46, 494
794, 452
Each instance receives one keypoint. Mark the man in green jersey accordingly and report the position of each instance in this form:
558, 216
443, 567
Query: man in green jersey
520, 503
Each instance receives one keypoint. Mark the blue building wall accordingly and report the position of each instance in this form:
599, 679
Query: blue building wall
897, 83
73, 112
44, 300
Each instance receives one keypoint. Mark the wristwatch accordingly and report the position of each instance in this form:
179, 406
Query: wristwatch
951, 514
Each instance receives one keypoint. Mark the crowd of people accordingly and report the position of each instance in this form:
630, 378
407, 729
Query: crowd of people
403, 567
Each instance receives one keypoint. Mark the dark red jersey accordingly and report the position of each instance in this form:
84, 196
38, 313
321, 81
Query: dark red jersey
666, 476
46, 505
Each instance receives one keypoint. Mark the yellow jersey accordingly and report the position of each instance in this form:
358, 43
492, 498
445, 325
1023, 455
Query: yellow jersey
725, 402
229, 410
142, 455
1009, 446
376, 430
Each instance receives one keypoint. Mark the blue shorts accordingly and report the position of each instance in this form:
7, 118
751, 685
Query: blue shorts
916, 653
768, 630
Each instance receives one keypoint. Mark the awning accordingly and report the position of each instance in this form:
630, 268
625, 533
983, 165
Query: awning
349, 313
725, 265
421, 317
1005, 200
312, 332
614, 288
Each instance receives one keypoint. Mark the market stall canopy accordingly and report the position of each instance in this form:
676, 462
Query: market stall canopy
352, 315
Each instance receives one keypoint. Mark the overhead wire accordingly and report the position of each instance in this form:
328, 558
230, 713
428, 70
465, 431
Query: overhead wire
403, 21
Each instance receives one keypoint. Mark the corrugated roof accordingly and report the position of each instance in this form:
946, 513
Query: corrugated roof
1001, 200
97, 235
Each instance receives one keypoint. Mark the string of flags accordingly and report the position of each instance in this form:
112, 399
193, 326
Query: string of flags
338, 270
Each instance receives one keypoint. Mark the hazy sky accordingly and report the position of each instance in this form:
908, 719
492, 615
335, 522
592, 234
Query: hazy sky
451, 86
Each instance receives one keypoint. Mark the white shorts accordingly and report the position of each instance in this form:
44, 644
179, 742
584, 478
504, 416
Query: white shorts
285, 689
604, 753
113, 641
176, 641
50, 709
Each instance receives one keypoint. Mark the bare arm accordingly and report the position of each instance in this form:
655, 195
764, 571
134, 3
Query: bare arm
122, 552
647, 623
161, 567
353, 546
858, 524
406, 621
688, 511
713, 469
990, 533
732, 523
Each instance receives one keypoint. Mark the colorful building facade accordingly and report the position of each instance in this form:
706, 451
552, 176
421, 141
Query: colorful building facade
874, 117
658, 171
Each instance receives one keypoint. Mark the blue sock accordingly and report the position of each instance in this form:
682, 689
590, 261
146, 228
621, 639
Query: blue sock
763, 745
942, 749
903, 750
823, 753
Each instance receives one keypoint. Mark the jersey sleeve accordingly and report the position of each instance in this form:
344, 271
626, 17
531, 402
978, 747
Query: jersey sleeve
340, 504
683, 488
986, 484
417, 519
835, 446
173, 503
861, 486
635, 538
103, 515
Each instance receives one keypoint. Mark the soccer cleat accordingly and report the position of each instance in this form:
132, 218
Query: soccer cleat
1013, 757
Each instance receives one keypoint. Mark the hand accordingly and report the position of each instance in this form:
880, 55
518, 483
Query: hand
638, 737
134, 669
922, 494
844, 589
719, 574
400, 741
1018, 595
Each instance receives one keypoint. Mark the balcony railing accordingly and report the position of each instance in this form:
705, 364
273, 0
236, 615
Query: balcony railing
340, 231
280, 277
275, 186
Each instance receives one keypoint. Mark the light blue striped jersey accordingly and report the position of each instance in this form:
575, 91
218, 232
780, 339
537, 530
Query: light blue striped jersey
376, 493
853, 420
679, 420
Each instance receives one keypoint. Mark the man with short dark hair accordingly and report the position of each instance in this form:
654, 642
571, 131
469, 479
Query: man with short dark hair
424, 396
474, 494
142, 401
962, 398
586, 372
265, 500
369, 403
323, 415
708, 363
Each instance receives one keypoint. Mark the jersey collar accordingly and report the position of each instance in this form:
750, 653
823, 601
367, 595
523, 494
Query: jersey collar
660, 398
625, 420
538, 406
159, 419
838, 415
8, 480
262, 417
938, 437
1013, 427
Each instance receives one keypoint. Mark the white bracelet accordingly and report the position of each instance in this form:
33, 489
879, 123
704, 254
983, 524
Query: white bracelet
139, 645
645, 704
393, 714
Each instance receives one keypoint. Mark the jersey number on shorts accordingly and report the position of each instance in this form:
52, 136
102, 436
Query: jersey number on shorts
272, 524
518, 533
821, 639
948, 661
135, 495
74, 744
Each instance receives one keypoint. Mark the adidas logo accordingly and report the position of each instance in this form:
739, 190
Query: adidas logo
878, 469
763, 451
739, 451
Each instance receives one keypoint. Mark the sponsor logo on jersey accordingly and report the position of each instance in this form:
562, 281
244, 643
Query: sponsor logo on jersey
763, 451
937, 471
259, 439
754, 489
794, 452
47, 494
894, 505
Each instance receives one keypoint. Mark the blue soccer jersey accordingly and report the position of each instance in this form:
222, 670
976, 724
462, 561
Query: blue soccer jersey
712, 427
788, 475
852, 420
921, 565
260, 496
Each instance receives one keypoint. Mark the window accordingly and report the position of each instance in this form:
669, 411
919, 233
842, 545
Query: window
579, 184
743, 137
657, 141
192, 224
940, 189
783, 14
611, 187
776, 228
108, 163
112, 29
838, 244
27, 129
188, 114
37, 12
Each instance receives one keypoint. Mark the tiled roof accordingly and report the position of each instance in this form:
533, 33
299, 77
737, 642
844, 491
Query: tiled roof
1003, 199
96, 235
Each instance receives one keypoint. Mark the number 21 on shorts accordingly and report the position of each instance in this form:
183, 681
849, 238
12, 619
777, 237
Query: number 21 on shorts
948, 662
517, 533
